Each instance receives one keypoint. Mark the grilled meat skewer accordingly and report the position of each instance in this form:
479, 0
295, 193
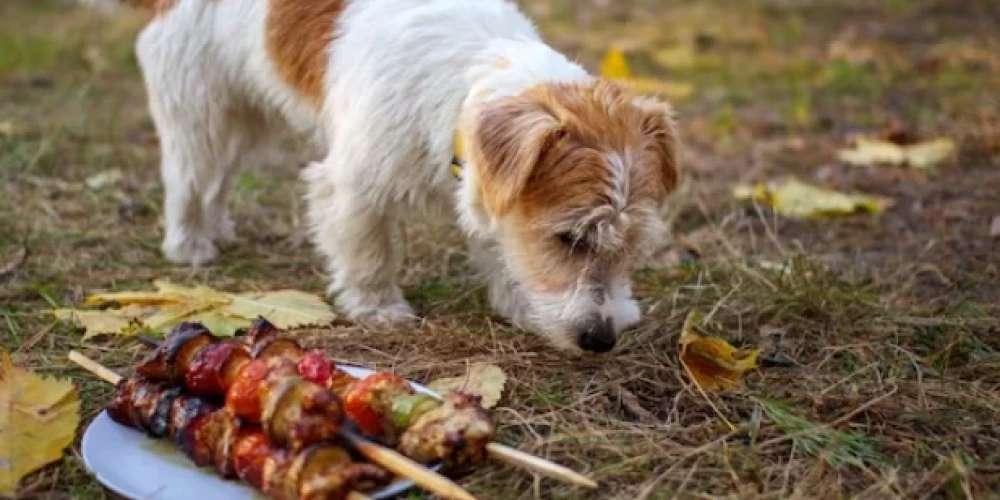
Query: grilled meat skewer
211, 435
292, 411
455, 431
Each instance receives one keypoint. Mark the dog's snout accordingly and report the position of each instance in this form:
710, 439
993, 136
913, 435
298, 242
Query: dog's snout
597, 334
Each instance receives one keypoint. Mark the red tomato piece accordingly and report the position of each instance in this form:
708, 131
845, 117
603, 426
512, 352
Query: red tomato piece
316, 367
360, 401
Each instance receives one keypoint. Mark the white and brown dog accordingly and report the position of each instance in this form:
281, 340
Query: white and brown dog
563, 176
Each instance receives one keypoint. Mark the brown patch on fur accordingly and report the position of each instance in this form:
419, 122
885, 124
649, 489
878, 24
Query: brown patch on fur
543, 157
299, 33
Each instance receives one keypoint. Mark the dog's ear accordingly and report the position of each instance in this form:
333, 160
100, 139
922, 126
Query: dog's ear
661, 143
511, 138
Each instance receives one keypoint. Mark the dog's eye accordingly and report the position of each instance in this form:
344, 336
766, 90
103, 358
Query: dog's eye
572, 242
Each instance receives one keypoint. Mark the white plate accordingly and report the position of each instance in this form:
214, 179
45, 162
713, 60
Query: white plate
136, 466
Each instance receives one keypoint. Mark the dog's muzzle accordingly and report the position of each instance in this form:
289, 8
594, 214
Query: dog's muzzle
596, 334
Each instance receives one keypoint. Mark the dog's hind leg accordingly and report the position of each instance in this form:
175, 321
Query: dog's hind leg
203, 135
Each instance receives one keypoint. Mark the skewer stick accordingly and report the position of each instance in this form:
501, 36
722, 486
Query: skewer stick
405, 467
105, 374
540, 465
102, 372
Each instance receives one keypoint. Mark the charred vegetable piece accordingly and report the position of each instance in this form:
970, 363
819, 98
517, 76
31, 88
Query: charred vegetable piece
260, 330
456, 433
369, 403
297, 413
276, 347
171, 359
245, 395
250, 455
408, 409
144, 401
159, 424
187, 417
212, 366
120, 407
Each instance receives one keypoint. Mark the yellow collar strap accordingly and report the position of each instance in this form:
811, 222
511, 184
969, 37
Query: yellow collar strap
458, 160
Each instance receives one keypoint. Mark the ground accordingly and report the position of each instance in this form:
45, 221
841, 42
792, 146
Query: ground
891, 322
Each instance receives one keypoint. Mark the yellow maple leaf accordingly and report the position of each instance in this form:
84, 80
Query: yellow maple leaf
38, 419
482, 379
923, 155
793, 198
223, 313
712, 362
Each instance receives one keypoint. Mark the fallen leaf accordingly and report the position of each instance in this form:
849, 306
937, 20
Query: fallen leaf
38, 419
482, 379
995, 227
793, 198
615, 67
712, 362
284, 308
126, 313
104, 179
922, 155
104, 322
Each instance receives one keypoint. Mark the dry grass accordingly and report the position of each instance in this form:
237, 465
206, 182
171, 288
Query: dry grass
892, 322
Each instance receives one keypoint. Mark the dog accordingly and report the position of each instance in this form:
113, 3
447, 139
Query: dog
557, 177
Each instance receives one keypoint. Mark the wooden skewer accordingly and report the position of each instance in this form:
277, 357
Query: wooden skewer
504, 454
113, 378
405, 467
540, 465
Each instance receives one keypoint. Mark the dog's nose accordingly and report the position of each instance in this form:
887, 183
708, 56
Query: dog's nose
597, 335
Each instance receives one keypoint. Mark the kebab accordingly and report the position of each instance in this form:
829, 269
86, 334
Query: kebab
211, 435
292, 411
455, 430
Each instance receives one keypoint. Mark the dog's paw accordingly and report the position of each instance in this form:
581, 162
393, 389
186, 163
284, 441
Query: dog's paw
195, 251
388, 316
368, 309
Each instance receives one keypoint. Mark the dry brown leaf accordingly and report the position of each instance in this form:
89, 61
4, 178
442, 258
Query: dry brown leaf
38, 419
223, 313
793, 198
922, 155
711, 362
482, 379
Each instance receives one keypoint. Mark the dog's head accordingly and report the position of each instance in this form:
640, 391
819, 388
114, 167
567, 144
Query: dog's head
567, 180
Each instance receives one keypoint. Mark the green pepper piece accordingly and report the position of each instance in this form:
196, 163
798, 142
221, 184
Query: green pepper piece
406, 409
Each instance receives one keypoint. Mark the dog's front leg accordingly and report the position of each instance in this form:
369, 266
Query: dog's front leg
354, 234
